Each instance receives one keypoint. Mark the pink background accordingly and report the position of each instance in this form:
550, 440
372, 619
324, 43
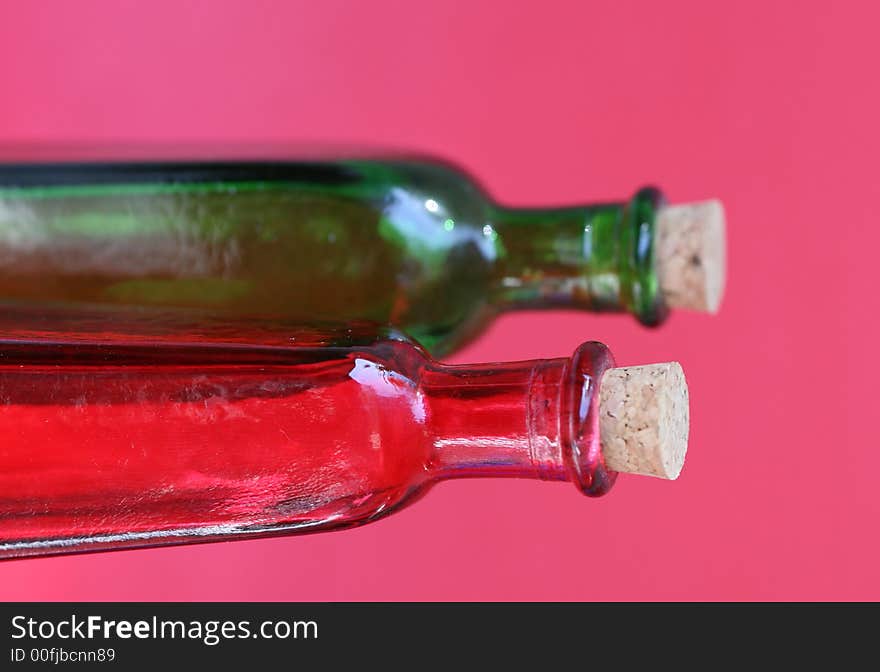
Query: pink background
771, 106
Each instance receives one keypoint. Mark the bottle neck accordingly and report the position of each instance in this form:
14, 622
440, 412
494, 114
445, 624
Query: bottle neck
536, 419
497, 420
597, 257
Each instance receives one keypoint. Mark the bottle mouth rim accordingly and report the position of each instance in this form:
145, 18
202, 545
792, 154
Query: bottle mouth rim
638, 233
584, 459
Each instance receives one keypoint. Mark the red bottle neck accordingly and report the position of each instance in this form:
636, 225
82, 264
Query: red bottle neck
497, 421
535, 419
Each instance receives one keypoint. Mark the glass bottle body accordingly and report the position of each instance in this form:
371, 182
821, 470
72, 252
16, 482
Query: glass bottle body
417, 245
165, 440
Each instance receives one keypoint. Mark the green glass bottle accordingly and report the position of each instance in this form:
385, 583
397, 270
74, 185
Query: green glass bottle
413, 243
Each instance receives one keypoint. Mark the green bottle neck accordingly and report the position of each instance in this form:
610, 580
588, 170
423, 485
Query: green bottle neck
597, 257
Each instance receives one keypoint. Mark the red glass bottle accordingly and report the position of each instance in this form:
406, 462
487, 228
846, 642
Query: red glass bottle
165, 437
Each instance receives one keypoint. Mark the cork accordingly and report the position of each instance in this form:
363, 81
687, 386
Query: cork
643, 419
690, 255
